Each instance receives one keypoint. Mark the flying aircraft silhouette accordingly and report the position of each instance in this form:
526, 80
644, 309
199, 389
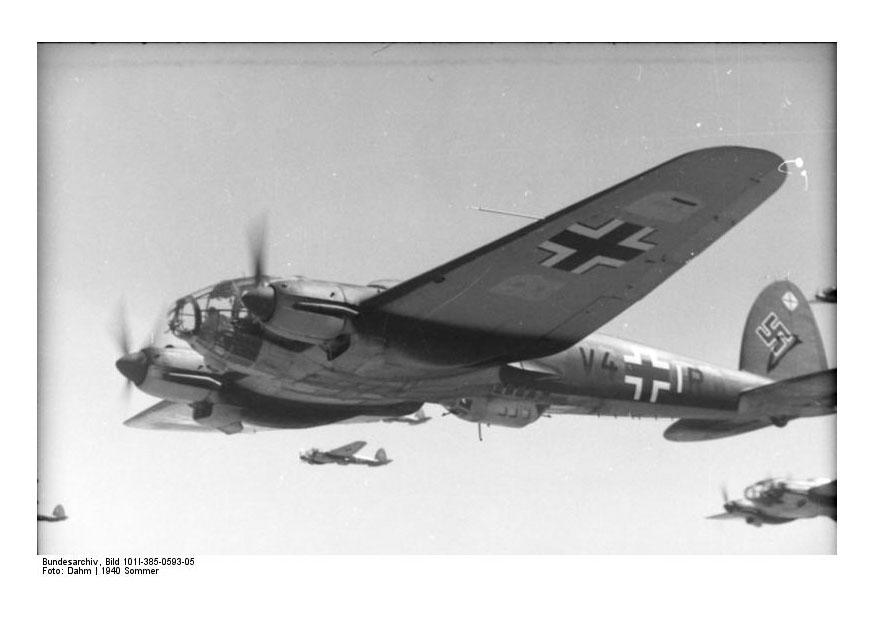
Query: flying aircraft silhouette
58, 514
345, 455
781, 500
826, 295
502, 335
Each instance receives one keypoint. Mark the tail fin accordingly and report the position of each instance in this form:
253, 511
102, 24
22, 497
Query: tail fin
381, 456
781, 339
59, 512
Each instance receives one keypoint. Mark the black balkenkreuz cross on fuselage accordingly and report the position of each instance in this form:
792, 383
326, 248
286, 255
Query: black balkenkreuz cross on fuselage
503, 334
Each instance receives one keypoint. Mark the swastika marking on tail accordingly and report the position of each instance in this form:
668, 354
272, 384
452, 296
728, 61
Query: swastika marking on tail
777, 337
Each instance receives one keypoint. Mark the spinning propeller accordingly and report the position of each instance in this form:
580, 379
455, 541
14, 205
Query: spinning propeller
259, 300
132, 364
257, 235
728, 505
826, 295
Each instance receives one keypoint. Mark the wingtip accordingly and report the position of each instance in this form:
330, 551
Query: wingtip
770, 159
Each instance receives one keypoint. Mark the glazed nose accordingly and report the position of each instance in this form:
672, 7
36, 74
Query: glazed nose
133, 366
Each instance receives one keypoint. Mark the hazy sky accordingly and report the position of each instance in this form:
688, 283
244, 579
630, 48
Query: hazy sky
154, 160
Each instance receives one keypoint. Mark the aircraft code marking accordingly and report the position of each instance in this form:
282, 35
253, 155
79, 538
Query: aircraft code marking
580, 248
588, 358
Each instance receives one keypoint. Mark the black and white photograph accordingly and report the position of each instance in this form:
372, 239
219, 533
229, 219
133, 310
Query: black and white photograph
437, 299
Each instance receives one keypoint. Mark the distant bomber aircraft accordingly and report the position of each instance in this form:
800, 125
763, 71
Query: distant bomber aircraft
781, 500
826, 295
503, 334
58, 514
345, 455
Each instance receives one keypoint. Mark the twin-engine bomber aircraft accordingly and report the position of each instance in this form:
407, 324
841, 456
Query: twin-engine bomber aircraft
781, 500
58, 514
503, 334
345, 455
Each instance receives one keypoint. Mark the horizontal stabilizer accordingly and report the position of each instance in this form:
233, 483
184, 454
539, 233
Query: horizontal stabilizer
701, 430
800, 397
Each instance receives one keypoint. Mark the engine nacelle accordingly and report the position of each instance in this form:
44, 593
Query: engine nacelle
177, 374
497, 411
309, 311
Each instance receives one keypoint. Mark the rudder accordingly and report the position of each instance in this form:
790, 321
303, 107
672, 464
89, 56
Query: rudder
781, 338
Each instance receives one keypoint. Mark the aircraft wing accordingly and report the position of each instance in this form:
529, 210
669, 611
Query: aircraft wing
549, 284
804, 396
167, 415
348, 450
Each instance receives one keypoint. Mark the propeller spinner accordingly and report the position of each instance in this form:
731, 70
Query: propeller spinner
133, 365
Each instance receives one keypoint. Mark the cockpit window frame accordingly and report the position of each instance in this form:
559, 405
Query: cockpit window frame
204, 303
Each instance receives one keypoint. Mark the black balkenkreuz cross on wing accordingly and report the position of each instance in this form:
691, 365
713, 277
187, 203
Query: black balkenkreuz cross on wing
580, 248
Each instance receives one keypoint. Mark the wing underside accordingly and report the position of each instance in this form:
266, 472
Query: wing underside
167, 415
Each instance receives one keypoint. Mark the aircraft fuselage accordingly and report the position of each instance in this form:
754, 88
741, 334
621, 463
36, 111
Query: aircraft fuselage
284, 382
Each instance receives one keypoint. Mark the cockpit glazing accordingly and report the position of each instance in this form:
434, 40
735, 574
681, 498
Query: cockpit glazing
215, 316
